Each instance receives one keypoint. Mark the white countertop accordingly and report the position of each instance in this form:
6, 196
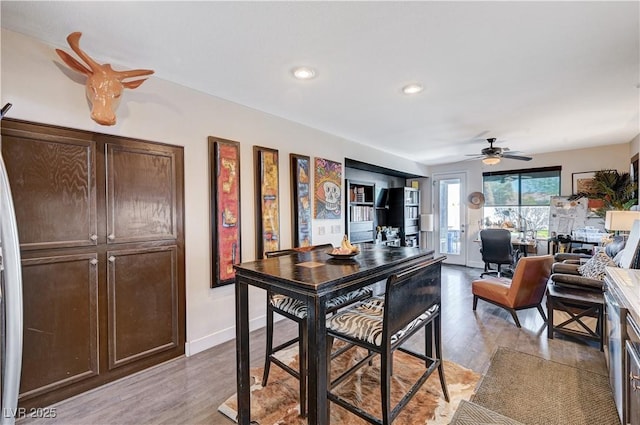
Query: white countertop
626, 285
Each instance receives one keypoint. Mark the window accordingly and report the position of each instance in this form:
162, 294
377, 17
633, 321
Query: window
519, 200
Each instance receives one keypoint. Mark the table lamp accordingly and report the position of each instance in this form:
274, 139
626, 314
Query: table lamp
620, 221
426, 225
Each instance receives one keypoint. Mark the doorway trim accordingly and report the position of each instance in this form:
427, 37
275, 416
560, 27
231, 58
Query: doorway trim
435, 196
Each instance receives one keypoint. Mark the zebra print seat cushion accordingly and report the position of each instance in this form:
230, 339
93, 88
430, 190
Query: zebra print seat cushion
364, 322
298, 309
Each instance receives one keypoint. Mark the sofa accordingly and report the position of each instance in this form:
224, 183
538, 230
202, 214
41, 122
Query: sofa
582, 271
575, 297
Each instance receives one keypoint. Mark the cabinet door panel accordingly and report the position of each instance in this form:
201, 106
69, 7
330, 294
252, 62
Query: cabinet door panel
632, 367
60, 322
143, 303
141, 194
53, 187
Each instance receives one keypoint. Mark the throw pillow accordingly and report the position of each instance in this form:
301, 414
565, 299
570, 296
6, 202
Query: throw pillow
594, 267
615, 246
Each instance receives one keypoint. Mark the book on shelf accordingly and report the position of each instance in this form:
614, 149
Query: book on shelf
361, 213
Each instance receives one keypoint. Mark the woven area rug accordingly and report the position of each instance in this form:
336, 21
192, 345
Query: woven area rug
469, 413
532, 390
278, 403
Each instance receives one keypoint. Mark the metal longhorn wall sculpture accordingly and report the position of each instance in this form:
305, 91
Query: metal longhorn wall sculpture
104, 85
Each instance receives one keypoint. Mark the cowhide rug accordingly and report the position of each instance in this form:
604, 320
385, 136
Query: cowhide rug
278, 404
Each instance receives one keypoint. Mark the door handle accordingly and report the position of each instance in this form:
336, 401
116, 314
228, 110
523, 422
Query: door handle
632, 380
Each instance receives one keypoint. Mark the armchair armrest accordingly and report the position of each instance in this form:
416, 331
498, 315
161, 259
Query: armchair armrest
570, 256
565, 268
572, 262
577, 281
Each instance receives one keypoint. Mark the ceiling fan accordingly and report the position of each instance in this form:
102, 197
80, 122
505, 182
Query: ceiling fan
492, 155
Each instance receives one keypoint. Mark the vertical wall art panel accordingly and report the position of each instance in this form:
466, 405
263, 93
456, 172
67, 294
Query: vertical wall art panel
224, 170
267, 200
327, 184
301, 199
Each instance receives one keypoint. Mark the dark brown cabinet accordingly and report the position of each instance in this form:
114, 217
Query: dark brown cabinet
633, 383
100, 221
632, 373
53, 187
141, 191
143, 298
60, 322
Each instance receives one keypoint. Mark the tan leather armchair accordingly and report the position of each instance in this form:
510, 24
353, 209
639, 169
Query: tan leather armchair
525, 290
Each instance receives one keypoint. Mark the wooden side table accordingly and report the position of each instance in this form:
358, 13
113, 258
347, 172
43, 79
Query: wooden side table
580, 305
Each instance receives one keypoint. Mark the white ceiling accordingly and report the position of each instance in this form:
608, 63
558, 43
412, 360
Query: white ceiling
538, 76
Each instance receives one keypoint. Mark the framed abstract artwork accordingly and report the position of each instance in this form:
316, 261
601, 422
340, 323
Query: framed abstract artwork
267, 200
301, 199
327, 189
224, 171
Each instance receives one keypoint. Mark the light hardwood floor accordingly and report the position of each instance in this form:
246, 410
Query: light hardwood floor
189, 390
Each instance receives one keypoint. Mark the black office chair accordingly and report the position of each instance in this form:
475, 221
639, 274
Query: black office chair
497, 249
296, 310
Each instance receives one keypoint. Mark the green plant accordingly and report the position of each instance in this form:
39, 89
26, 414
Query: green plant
617, 190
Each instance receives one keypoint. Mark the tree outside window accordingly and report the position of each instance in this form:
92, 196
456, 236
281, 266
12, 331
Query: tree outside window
520, 200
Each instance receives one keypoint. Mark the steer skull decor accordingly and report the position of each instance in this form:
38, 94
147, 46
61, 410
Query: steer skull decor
104, 85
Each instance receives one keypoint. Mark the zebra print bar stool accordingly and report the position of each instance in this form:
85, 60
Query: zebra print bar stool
296, 310
382, 325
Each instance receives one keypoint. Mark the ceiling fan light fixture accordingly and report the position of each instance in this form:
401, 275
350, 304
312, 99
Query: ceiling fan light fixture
491, 160
413, 88
304, 73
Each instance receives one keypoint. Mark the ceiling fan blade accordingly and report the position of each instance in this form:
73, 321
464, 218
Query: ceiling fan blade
521, 158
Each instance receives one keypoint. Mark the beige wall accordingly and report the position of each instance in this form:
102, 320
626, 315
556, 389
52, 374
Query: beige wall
41, 89
607, 157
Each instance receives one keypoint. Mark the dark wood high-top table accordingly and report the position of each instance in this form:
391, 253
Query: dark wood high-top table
312, 277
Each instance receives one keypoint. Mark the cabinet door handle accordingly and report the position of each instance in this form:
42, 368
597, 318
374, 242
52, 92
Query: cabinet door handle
112, 259
93, 237
111, 237
93, 261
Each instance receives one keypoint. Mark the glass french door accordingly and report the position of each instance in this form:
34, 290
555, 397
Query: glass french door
450, 216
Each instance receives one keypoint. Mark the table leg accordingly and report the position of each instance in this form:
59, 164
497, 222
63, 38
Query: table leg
317, 362
549, 316
242, 353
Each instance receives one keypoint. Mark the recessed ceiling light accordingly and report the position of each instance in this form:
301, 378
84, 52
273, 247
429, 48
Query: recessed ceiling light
412, 88
304, 73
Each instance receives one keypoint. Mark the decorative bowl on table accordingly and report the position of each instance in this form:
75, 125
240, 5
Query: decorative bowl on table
341, 255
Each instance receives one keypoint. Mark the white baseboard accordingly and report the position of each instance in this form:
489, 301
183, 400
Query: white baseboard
476, 264
197, 345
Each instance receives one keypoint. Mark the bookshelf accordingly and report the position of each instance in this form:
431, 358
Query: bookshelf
360, 216
404, 213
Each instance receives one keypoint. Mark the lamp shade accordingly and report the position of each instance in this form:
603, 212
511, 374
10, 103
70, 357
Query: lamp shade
620, 220
426, 222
